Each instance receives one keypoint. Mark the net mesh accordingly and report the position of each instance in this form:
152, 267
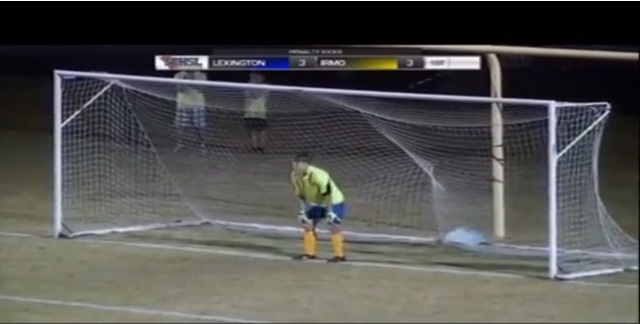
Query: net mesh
411, 169
588, 238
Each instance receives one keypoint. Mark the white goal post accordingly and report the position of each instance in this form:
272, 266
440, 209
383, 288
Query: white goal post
413, 165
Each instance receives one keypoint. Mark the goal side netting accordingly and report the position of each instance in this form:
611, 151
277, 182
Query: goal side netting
414, 167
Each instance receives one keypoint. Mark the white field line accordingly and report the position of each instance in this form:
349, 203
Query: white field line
124, 309
266, 256
16, 234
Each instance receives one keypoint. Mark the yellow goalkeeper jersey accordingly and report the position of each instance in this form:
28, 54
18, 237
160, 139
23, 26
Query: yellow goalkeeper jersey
315, 185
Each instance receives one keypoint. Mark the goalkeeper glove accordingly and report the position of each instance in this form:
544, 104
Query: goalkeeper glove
302, 217
332, 218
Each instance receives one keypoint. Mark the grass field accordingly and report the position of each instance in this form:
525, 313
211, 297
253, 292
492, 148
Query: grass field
210, 275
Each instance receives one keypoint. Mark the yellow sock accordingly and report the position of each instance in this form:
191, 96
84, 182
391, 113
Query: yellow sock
338, 244
309, 243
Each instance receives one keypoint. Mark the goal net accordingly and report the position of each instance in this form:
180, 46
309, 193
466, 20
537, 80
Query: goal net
414, 167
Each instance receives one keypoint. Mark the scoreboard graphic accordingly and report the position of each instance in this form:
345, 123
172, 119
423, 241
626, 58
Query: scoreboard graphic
313, 60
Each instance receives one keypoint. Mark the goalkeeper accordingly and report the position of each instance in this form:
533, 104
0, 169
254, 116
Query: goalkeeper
190, 119
320, 200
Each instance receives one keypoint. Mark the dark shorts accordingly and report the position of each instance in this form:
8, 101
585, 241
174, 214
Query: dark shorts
256, 124
191, 117
318, 213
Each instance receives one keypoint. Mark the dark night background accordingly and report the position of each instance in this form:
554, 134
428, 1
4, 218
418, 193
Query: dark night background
26, 87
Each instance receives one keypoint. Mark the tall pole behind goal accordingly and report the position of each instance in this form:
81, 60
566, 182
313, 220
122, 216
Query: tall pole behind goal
497, 150
495, 72
497, 137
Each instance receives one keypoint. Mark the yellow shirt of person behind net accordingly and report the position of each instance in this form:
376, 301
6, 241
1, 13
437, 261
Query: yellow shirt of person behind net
190, 96
255, 105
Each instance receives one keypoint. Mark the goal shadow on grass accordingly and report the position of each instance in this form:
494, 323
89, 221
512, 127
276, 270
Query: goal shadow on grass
401, 254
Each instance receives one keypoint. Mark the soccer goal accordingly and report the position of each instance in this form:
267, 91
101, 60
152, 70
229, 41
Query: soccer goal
414, 167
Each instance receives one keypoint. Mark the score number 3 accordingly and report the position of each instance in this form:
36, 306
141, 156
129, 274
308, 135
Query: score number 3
415, 62
302, 62
409, 63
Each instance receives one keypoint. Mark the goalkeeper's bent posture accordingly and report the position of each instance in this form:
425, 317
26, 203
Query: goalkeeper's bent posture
320, 200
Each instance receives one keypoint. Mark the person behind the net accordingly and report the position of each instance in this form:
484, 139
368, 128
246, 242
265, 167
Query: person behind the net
320, 200
190, 119
255, 113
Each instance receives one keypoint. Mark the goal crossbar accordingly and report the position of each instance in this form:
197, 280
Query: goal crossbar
330, 91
